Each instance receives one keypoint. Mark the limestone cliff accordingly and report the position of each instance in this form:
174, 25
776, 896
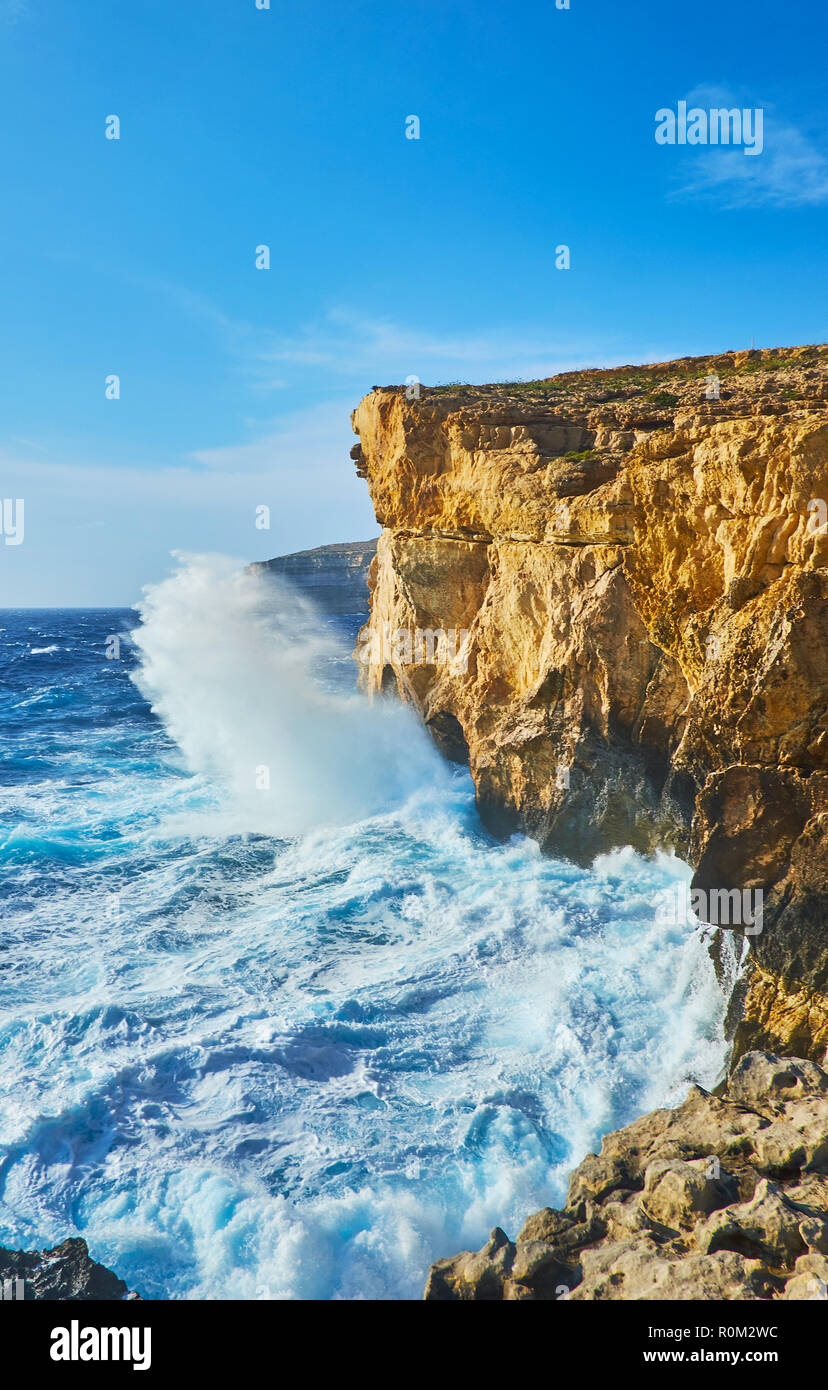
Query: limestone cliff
334, 576
639, 558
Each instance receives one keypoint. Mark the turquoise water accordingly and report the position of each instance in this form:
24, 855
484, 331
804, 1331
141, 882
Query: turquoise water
294, 1040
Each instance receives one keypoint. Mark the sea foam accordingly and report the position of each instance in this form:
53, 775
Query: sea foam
300, 1044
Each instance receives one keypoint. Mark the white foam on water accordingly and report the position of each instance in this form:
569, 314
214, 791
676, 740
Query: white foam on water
227, 662
309, 1066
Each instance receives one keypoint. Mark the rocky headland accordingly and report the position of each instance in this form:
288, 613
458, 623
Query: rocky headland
335, 577
638, 558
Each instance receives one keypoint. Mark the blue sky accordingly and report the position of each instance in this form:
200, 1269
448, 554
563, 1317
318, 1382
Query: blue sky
389, 257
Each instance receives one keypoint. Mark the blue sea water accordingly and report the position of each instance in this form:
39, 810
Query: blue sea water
278, 1018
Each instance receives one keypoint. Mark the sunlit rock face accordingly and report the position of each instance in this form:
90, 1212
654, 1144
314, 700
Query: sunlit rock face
638, 558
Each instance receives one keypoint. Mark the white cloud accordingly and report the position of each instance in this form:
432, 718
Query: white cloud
791, 171
304, 444
293, 455
349, 350
95, 534
344, 349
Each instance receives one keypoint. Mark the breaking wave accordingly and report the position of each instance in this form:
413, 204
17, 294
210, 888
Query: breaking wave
297, 1034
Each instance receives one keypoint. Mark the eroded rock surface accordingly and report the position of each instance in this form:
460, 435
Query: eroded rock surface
721, 1198
641, 571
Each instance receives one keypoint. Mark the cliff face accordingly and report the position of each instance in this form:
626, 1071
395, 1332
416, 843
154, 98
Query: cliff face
334, 576
639, 559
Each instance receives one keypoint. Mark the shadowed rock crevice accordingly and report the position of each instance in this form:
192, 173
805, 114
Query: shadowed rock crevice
447, 732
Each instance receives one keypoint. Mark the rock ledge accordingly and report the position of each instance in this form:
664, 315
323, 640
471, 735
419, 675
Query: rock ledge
721, 1198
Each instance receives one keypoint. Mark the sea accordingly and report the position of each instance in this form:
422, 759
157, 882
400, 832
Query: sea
279, 1018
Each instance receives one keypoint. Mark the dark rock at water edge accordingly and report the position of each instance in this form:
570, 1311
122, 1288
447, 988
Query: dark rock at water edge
67, 1272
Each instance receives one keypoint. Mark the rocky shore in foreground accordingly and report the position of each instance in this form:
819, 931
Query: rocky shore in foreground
721, 1198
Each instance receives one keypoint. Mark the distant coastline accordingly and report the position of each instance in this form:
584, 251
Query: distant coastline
334, 576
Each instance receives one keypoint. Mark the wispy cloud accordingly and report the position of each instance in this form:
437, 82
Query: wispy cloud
346, 349
297, 453
791, 171
305, 448
98, 532
347, 344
